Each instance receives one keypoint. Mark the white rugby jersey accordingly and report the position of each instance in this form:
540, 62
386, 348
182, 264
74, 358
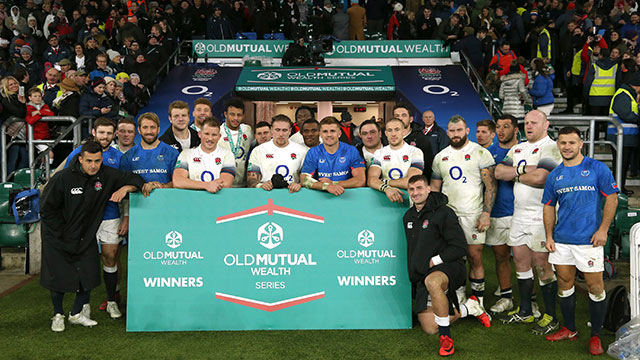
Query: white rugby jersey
395, 164
460, 172
269, 159
528, 200
206, 167
368, 156
241, 149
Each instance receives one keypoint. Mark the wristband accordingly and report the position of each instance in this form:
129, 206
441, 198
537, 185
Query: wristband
325, 186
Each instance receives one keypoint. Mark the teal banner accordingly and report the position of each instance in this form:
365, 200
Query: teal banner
302, 83
247, 259
343, 49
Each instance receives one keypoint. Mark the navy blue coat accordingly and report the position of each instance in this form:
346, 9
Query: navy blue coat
90, 99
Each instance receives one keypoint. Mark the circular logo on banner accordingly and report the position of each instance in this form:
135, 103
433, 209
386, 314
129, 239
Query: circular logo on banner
200, 48
270, 75
270, 235
173, 239
366, 238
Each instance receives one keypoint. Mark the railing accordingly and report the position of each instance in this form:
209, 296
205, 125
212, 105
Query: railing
44, 155
30, 143
588, 124
478, 84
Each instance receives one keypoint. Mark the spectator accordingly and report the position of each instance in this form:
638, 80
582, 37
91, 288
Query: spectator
102, 69
54, 53
13, 105
465, 19
470, 45
375, 12
50, 89
36, 109
34, 68
426, 24
504, 56
239, 17
68, 103
91, 51
218, 26
450, 30
95, 103
14, 21
340, 23
513, 92
80, 60
136, 93
601, 82
264, 19
542, 89
357, 20
394, 22
115, 61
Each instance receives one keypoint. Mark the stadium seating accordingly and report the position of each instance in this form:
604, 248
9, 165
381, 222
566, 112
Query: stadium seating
11, 235
23, 176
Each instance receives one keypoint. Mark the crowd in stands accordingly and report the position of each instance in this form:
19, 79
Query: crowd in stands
93, 58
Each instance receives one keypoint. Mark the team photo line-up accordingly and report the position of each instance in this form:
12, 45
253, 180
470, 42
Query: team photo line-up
538, 201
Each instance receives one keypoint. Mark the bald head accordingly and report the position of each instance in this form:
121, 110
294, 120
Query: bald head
53, 76
535, 125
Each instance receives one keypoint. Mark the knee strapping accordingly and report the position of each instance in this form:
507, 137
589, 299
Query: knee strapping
524, 274
599, 297
110, 269
566, 293
544, 282
441, 321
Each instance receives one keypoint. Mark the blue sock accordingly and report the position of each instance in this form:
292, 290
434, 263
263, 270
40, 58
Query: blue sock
526, 288
549, 292
568, 308
506, 293
597, 311
444, 330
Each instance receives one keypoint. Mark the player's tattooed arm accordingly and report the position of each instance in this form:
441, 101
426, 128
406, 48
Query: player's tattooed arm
490, 188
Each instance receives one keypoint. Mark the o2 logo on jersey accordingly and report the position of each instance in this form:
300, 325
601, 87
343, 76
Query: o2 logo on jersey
392, 173
285, 175
270, 235
207, 176
241, 153
456, 174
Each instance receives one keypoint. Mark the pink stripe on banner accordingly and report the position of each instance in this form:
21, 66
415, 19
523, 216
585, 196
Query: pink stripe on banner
269, 307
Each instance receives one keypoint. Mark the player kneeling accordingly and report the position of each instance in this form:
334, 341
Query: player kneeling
436, 248
207, 167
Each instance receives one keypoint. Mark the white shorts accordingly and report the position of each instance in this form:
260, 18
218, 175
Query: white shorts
468, 224
585, 258
532, 235
108, 232
498, 232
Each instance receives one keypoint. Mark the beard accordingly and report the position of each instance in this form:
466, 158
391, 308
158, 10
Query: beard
458, 143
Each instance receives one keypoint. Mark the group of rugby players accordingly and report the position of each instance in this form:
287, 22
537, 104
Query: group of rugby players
494, 189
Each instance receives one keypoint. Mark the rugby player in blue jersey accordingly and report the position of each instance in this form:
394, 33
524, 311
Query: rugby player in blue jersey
498, 233
333, 165
578, 185
152, 159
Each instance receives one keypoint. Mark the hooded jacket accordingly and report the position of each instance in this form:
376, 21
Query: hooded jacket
90, 99
430, 232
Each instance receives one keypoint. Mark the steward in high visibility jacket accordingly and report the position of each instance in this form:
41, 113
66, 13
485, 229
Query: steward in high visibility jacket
602, 80
624, 107
544, 43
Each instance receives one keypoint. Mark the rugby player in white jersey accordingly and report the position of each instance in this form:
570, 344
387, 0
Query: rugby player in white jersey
278, 156
371, 140
528, 164
236, 137
207, 167
459, 171
394, 164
